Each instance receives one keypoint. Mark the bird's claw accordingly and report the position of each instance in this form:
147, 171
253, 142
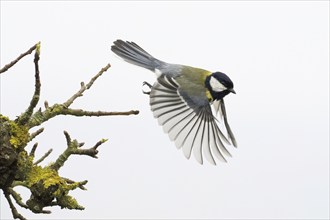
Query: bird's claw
146, 84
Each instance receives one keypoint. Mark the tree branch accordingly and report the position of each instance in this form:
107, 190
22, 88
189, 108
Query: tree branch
17, 197
73, 147
84, 87
80, 112
25, 117
62, 109
11, 205
43, 157
8, 66
19, 183
80, 184
19, 168
36, 133
33, 150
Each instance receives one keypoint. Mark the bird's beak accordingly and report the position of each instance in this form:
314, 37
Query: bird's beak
232, 90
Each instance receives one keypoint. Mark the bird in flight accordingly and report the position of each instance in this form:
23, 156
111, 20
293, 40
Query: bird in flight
188, 103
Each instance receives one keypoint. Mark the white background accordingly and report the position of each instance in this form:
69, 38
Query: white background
277, 54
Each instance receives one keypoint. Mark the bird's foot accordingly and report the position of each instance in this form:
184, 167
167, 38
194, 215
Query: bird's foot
148, 85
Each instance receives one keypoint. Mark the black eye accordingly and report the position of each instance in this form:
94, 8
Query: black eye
224, 83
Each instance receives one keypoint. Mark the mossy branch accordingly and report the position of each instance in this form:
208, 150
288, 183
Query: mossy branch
40, 117
25, 117
17, 197
74, 147
11, 205
63, 109
20, 168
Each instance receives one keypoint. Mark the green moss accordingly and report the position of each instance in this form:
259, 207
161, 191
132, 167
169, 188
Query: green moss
3, 118
38, 48
49, 176
103, 140
36, 119
51, 185
19, 133
69, 202
57, 109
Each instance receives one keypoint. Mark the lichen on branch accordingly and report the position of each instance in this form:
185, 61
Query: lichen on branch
20, 168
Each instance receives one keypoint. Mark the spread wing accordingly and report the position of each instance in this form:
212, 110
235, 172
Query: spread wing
194, 129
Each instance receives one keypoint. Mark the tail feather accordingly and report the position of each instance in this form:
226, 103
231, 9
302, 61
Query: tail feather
133, 53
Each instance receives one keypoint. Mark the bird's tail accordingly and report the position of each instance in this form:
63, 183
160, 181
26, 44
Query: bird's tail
133, 53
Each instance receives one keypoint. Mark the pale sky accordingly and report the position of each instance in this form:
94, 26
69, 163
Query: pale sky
277, 54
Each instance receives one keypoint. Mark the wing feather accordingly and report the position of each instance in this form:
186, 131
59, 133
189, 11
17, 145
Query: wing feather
189, 138
230, 133
194, 130
207, 139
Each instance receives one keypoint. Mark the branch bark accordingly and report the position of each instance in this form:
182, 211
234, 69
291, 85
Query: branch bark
84, 88
12, 63
63, 109
25, 117
19, 168
11, 205
74, 147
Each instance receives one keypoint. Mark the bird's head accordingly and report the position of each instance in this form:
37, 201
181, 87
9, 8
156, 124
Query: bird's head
219, 85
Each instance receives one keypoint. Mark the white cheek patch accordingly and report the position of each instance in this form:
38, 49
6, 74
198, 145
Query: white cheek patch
216, 85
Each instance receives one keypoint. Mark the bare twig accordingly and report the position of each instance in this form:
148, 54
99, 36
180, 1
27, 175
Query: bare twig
8, 66
43, 157
19, 183
84, 87
73, 147
46, 104
17, 197
62, 109
80, 112
33, 150
67, 138
25, 117
81, 184
36, 133
11, 205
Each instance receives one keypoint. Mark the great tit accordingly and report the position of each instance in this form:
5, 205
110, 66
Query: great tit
187, 102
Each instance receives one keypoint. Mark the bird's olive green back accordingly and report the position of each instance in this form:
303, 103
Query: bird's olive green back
192, 82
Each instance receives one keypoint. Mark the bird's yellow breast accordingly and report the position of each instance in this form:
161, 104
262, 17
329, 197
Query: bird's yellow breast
209, 96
